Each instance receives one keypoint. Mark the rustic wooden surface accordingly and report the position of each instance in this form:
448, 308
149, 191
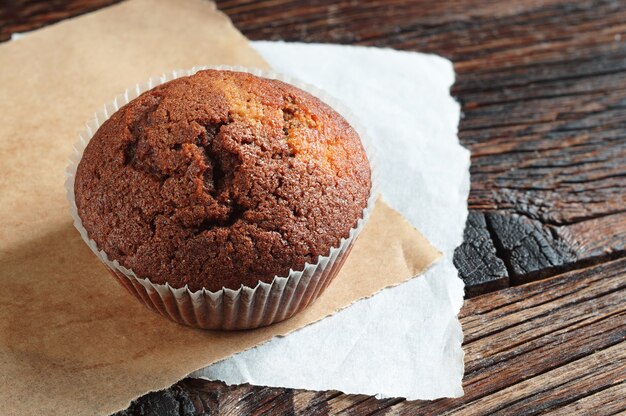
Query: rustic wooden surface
543, 90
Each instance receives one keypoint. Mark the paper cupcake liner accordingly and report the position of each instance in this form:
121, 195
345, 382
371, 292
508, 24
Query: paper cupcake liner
246, 307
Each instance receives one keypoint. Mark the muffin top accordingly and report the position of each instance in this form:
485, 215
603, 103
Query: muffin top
221, 179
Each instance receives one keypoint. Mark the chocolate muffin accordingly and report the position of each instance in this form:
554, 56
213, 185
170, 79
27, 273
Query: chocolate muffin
221, 179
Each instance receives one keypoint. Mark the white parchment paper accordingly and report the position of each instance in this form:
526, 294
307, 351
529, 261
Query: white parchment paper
404, 341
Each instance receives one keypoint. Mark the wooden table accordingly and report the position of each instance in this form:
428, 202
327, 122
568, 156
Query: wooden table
543, 89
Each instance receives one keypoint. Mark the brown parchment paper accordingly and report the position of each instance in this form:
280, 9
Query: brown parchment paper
71, 340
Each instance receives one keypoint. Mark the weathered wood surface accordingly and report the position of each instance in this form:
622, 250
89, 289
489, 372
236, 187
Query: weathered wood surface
483, 270
543, 90
556, 345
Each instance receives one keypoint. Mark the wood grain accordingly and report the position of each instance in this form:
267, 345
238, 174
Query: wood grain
483, 270
25, 15
550, 346
530, 249
533, 250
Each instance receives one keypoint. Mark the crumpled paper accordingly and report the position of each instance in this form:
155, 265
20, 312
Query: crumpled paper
405, 341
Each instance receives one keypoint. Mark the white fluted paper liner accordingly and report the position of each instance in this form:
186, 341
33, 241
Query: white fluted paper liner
246, 307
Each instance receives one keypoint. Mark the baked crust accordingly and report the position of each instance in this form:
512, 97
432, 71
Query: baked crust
221, 179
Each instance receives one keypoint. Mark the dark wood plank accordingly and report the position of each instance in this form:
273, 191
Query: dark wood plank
562, 385
555, 344
533, 250
24, 15
483, 271
175, 401
596, 237
603, 403
529, 247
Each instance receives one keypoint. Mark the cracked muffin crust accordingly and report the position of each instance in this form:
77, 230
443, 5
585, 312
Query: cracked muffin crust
221, 179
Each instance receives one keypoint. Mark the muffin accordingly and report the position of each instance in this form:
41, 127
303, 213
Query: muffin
222, 180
